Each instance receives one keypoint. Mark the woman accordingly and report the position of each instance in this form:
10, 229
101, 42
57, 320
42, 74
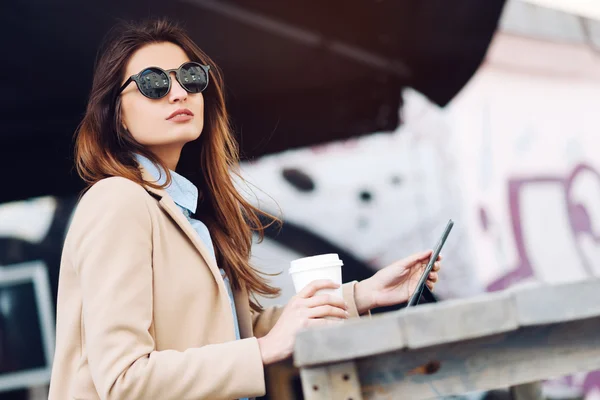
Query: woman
155, 286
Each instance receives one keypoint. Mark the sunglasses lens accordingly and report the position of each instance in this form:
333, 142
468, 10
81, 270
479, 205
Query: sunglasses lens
154, 83
193, 77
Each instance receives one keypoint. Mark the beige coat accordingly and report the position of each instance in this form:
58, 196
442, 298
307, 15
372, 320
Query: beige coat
143, 312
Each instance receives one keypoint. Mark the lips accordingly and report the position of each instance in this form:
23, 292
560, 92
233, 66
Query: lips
181, 112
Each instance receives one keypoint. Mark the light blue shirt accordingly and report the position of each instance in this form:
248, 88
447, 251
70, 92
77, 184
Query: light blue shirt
185, 194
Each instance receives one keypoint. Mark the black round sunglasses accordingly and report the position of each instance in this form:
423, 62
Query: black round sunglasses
155, 82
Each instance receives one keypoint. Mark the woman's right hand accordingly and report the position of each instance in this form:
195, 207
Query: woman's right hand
304, 310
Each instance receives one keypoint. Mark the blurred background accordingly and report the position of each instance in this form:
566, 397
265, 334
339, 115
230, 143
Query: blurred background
365, 124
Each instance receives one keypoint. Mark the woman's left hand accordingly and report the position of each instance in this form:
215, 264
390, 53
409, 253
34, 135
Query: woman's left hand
395, 283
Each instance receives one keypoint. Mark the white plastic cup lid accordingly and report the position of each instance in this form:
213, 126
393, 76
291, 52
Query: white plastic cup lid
314, 262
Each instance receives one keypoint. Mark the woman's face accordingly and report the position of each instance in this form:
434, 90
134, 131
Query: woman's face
149, 121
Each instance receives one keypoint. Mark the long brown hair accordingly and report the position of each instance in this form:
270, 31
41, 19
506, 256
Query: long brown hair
103, 148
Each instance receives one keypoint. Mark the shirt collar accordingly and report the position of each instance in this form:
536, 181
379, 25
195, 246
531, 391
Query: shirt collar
183, 192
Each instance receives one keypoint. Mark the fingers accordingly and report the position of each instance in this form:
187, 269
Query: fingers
436, 266
430, 285
327, 311
433, 277
315, 286
324, 322
415, 258
326, 299
423, 256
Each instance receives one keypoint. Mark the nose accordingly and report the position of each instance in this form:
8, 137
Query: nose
177, 93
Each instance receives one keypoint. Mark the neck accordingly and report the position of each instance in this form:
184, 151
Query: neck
168, 154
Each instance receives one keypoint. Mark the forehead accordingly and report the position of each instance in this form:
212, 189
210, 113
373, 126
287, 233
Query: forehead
164, 55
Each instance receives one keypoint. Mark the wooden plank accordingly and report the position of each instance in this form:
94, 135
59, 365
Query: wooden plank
454, 320
350, 340
526, 355
558, 303
344, 382
421, 326
316, 384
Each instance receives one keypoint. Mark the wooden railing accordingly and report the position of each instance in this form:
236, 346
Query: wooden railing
498, 340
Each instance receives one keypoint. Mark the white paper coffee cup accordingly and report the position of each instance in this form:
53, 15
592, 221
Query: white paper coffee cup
324, 266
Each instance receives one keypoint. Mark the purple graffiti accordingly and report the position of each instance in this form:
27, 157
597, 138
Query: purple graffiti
579, 219
580, 222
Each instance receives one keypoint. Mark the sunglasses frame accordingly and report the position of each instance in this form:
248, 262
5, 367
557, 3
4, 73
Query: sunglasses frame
135, 78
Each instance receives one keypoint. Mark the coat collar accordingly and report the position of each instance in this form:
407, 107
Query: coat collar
183, 192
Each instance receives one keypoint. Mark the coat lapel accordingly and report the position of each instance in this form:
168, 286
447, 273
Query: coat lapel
169, 206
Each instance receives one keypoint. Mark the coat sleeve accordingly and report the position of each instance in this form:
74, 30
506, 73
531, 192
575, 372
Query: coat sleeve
111, 243
263, 322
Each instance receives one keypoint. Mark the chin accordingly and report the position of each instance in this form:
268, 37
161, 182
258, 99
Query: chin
185, 135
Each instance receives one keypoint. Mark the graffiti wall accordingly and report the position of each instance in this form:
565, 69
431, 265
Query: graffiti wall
528, 133
380, 198
528, 162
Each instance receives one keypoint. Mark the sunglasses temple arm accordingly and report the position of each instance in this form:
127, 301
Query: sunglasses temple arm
127, 82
